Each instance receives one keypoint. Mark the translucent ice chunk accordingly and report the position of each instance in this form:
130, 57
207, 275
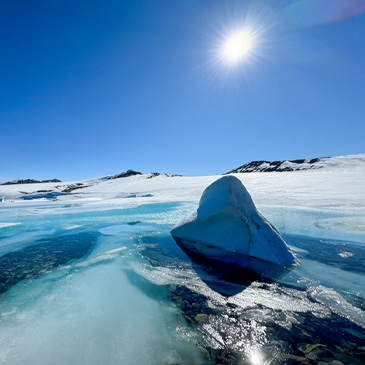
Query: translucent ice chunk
228, 219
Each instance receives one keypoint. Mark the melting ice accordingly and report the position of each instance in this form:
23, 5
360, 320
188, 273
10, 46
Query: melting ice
113, 287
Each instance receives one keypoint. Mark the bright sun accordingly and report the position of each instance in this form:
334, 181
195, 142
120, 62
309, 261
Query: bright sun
237, 47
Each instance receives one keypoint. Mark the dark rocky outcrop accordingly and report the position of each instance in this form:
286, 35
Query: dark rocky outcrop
73, 187
285, 165
29, 181
125, 174
121, 175
133, 173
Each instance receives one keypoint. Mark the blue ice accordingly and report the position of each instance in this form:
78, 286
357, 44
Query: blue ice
112, 305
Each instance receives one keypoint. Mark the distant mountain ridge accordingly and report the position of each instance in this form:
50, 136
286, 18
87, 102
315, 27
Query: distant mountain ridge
301, 164
29, 181
121, 175
33, 181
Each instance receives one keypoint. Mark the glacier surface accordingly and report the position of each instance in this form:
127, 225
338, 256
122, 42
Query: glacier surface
117, 304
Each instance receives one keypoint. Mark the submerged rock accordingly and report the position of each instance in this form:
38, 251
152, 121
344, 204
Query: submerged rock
201, 318
227, 225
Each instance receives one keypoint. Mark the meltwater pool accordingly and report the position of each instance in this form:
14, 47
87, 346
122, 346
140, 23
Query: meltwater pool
112, 287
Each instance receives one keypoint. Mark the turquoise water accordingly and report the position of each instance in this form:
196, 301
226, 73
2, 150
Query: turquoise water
112, 287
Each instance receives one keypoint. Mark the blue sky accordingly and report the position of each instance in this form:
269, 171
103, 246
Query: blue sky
90, 88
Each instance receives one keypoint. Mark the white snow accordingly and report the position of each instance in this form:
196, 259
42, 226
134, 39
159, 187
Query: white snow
227, 218
339, 185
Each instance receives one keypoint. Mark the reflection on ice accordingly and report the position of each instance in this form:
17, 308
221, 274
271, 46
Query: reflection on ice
229, 268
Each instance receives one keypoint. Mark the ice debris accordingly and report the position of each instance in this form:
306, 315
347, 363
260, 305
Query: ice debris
228, 220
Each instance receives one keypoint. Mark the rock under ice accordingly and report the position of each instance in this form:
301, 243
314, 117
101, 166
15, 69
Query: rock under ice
227, 223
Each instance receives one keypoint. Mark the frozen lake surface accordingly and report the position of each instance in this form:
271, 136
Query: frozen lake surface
112, 287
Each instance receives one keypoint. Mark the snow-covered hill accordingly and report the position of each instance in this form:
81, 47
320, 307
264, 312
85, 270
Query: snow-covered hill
33, 181
338, 186
304, 164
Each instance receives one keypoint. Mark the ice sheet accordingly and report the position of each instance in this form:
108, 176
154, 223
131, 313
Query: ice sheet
114, 304
91, 311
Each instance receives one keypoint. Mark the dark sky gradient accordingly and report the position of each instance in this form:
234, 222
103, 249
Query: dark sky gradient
90, 88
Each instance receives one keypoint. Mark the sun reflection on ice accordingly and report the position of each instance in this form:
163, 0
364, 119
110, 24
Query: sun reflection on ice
256, 357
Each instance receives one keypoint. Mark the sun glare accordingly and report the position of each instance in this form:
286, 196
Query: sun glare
256, 357
240, 40
237, 47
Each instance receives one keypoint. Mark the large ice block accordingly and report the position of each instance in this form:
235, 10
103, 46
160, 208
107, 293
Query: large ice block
228, 220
